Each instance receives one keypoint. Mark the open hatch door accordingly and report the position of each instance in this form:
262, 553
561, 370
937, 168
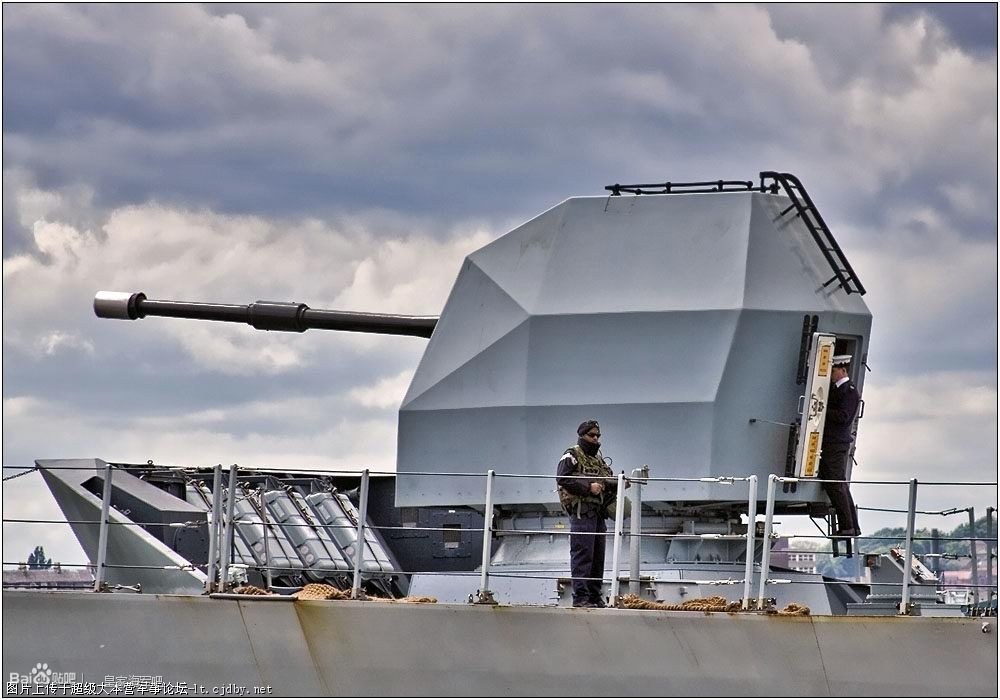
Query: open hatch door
814, 405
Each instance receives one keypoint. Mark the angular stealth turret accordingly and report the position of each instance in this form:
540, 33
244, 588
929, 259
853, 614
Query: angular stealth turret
673, 320
683, 323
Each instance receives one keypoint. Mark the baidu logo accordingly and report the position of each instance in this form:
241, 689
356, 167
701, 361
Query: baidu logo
40, 677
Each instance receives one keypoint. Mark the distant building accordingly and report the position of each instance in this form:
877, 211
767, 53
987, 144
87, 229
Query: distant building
957, 578
54, 577
786, 556
961, 578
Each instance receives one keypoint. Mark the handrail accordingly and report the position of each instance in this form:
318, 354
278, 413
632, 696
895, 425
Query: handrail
685, 187
303, 474
813, 220
222, 527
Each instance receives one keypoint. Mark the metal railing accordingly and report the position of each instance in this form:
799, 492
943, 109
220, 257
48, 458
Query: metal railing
909, 536
221, 532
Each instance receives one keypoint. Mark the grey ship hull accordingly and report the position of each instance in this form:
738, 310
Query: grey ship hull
321, 648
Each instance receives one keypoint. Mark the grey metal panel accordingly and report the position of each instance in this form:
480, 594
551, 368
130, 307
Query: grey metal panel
517, 263
530, 440
189, 639
925, 661
127, 544
369, 649
625, 254
280, 650
639, 358
479, 314
531, 364
496, 376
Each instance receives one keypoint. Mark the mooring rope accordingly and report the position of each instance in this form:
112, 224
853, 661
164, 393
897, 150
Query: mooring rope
714, 603
322, 591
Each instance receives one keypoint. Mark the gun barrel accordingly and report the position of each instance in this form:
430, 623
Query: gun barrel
262, 315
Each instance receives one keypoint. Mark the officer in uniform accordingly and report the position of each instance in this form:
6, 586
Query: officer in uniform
841, 409
586, 501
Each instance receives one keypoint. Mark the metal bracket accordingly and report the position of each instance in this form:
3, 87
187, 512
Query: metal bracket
483, 598
793, 441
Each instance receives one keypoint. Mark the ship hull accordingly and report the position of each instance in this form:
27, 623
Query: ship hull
353, 648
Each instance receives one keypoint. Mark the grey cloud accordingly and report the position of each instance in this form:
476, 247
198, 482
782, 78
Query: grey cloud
971, 25
276, 109
25, 202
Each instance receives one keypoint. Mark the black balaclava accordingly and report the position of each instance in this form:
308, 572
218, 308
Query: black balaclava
589, 449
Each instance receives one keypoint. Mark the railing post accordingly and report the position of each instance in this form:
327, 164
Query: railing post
765, 555
102, 537
213, 531
635, 543
751, 527
485, 596
227, 539
619, 526
360, 551
911, 515
990, 556
972, 552
267, 545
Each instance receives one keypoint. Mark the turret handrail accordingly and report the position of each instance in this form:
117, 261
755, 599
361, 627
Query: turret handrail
813, 220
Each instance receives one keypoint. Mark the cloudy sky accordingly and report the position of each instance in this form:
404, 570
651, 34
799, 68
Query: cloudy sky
350, 156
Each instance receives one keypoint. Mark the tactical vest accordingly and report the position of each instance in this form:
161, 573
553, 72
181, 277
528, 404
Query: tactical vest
585, 466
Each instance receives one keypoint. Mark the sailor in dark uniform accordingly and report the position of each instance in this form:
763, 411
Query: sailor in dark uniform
841, 409
585, 502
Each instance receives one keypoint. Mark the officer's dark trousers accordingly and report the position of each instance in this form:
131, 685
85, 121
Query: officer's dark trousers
833, 465
586, 551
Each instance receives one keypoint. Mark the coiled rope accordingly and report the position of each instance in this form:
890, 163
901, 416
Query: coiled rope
322, 591
714, 603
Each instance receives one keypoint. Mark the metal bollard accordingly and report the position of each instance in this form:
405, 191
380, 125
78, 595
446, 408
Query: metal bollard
360, 551
911, 515
619, 526
102, 538
213, 531
227, 538
751, 517
765, 556
485, 596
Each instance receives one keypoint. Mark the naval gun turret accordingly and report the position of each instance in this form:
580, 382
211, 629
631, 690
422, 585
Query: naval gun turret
689, 319
695, 321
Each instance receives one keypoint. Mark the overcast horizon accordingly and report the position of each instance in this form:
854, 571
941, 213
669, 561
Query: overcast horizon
350, 157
